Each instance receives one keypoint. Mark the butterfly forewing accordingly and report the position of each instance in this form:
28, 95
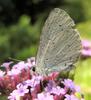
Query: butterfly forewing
60, 43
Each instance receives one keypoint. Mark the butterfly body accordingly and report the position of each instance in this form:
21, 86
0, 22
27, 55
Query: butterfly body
60, 43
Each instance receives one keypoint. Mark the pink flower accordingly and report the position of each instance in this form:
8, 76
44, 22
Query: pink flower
31, 61
86, 52
2, 74
22, 90
7, 64
57, 90
13, 72
86, 43
70, 84
53, 89
70, 97
36, 87
36, 80
44, 96
13, 95
19, 66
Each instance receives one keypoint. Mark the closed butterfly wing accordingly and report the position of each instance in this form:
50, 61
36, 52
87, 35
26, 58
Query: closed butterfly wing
60, 43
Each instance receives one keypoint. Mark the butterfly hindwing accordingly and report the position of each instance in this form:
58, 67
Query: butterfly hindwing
60, 43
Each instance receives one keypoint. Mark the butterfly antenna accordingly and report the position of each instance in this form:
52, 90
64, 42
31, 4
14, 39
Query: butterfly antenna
13, 59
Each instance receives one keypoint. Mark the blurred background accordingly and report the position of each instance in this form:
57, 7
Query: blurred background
21, 22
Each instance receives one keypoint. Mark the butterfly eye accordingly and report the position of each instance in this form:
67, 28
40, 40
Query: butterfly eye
33, 68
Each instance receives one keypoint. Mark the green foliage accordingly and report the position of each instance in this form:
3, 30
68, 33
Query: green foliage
83, 77
83, 74
19, 40
74, 8
85, 29
11, 10
3, 97
86, 9
83, 71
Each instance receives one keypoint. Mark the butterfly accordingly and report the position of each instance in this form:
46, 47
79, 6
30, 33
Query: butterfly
60, 44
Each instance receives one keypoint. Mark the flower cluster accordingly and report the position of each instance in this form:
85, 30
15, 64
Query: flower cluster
46, 88
21, 82
86, 51
12, 74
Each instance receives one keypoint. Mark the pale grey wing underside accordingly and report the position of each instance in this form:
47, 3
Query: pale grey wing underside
60, 43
